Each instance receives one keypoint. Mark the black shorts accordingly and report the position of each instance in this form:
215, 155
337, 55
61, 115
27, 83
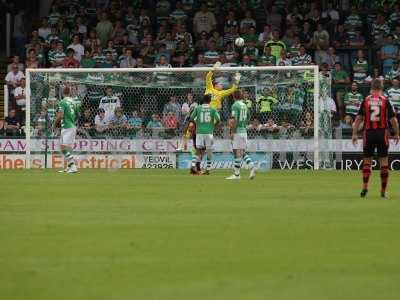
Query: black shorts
194, 140
376, 139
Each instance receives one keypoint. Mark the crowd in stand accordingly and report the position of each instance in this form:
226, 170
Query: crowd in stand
352, 41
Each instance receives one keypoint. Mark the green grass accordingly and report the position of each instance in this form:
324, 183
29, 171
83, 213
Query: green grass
148, 234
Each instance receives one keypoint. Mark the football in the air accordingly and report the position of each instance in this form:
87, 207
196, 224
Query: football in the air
239, 42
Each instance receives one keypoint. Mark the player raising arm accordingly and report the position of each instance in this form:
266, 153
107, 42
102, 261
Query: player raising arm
67, 115
217, 91
238, 129
205, 117
374, 113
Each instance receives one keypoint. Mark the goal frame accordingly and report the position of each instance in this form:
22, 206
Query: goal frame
313, 68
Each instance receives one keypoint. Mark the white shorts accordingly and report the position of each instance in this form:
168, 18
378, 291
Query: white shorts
239, 141
68, 136
204, 141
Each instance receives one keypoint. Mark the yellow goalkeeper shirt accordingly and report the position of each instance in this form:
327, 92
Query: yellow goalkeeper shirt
216, 95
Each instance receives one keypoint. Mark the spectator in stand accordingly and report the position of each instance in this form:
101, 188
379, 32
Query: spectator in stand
155, 126
183, 35
394, 93
267, 59
52, 37
128, 61
211, 55
44, 30
19, 95
320, 37
294, 17
394, 72
172, 106
86, 123
357, 40
331, 15
283, 59
12, 125
353, 21
248, 21
332, 57
98, 56
87, 61
118, 123
104, 29
232, 35
346, 124
109, 61
135, 123
13, 79
32, 59
76, 45
395, 15
92, 41
69, 60
170, 123
16, 61
100, 121
265, 36
219, 40
163, 9
396, 35
251, 50
376, 74
204, 20
63, 32
306, 35
54, 15
389, 53
118, 33
289, 38
352, 101
80, 27
57, 57
340, 37
230, 21
303, 58
360, 68
109, 103
178, 15
112, 49
380, 29
307, 125
340, 77
34, 40
275, 44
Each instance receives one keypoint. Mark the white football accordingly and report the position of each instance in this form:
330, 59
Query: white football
239, 42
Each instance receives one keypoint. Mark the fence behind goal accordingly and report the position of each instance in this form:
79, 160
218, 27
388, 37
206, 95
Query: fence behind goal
135, 117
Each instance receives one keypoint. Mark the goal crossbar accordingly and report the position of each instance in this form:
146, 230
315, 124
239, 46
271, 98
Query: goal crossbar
313, 68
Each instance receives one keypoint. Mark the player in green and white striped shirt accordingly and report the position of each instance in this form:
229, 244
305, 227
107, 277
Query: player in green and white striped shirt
240, 118
394, 93
352, 100
205, 117
67, 116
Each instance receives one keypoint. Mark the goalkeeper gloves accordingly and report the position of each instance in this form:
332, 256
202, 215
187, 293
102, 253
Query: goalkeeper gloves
237, 78
217, 65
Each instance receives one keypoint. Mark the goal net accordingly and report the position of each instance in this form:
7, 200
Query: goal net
136, 117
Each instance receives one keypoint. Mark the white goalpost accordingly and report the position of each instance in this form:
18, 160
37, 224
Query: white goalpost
291, 93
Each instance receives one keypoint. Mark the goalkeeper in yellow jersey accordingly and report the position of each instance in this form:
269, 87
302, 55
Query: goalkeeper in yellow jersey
217, 93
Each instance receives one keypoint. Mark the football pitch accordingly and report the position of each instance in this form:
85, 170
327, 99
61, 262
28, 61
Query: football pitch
162, 234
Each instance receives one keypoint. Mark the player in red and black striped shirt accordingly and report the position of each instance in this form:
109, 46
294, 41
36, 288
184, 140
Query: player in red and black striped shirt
375, 113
